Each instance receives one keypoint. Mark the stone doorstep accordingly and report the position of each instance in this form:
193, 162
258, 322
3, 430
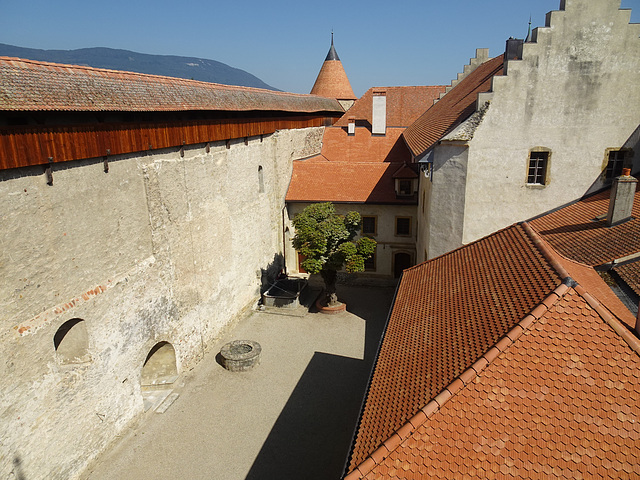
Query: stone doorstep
153, 398
300, 311
160, 395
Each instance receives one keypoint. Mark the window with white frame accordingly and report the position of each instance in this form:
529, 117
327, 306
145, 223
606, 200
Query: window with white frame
538, 166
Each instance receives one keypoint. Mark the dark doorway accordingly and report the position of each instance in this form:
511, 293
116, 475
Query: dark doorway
401, 261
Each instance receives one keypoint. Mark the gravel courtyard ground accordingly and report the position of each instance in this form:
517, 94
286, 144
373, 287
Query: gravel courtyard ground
291, 417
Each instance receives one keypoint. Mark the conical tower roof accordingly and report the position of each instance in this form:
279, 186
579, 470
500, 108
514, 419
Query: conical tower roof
332, 81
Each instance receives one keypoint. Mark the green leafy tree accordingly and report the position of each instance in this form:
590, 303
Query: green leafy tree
326, 240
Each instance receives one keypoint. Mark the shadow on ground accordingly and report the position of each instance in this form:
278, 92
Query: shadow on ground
312, 436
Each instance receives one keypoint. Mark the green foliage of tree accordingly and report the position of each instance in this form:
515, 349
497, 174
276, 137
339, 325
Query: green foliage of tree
325, 238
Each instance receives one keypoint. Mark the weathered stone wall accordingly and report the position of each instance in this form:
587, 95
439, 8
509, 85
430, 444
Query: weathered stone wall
164, 247
441, 221
575, 92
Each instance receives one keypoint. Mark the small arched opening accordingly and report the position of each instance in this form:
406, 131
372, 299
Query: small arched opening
160, 367
401, 261
71, 342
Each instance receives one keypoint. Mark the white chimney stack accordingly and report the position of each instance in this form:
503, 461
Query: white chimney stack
623, 191
379, 109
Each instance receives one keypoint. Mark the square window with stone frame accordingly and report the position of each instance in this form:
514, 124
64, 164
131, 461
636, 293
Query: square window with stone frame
403, 226
369, 225
537, 173
615, 164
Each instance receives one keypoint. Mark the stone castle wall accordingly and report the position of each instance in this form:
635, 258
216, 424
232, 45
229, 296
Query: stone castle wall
575, 93
162, 248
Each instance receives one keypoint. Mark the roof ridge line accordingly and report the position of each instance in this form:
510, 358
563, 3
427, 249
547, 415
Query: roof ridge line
147, 75
451, 252
618, 327
544, 248
464, 379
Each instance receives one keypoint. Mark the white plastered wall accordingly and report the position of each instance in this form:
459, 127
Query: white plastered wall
164, 247
577, 93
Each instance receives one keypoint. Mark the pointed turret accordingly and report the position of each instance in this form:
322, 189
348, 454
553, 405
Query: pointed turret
528, 39
332, 81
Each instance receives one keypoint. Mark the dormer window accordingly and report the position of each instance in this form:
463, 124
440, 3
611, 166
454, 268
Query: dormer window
406, 181
404, 187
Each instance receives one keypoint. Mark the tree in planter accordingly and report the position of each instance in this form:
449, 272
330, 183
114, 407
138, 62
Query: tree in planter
326, 240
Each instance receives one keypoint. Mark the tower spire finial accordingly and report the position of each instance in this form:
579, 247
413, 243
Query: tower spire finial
332, 55
528, 39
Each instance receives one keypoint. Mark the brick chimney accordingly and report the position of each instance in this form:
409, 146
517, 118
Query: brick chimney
379, 111
621, 200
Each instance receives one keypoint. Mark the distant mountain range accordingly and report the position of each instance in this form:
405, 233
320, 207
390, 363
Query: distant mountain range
169, 65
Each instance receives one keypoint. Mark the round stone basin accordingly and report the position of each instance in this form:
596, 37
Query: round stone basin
240, 355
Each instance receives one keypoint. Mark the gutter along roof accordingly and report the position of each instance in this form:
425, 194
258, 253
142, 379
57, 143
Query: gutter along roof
27, 85
504, 357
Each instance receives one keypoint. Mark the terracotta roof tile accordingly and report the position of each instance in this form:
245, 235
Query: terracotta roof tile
27, 85
317, 180
575, 232
458, 104
562, 401
353, 168
406, 171
630, 274
404, 105
448, 312
332, 82
337, 145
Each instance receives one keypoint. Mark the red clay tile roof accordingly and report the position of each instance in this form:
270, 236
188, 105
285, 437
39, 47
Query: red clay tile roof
630, 274
591, 280
317, 180
404, 105
356, 168
337, 145
27, 85
406, 171
575, 233
561, 401
448, 312
332, 82
453, 108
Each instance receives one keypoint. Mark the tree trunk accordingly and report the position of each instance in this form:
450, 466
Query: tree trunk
329, 277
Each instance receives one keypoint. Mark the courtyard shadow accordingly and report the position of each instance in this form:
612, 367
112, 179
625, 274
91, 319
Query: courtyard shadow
312, 436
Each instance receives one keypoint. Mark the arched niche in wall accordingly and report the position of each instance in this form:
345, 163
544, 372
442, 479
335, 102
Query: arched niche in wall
160, 367
71, 342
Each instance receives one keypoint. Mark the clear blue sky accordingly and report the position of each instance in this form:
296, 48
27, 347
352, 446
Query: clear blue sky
284, 42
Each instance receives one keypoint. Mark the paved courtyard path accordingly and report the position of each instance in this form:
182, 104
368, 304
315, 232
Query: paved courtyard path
291, 417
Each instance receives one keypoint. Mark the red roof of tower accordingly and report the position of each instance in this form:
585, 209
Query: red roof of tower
332, 81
